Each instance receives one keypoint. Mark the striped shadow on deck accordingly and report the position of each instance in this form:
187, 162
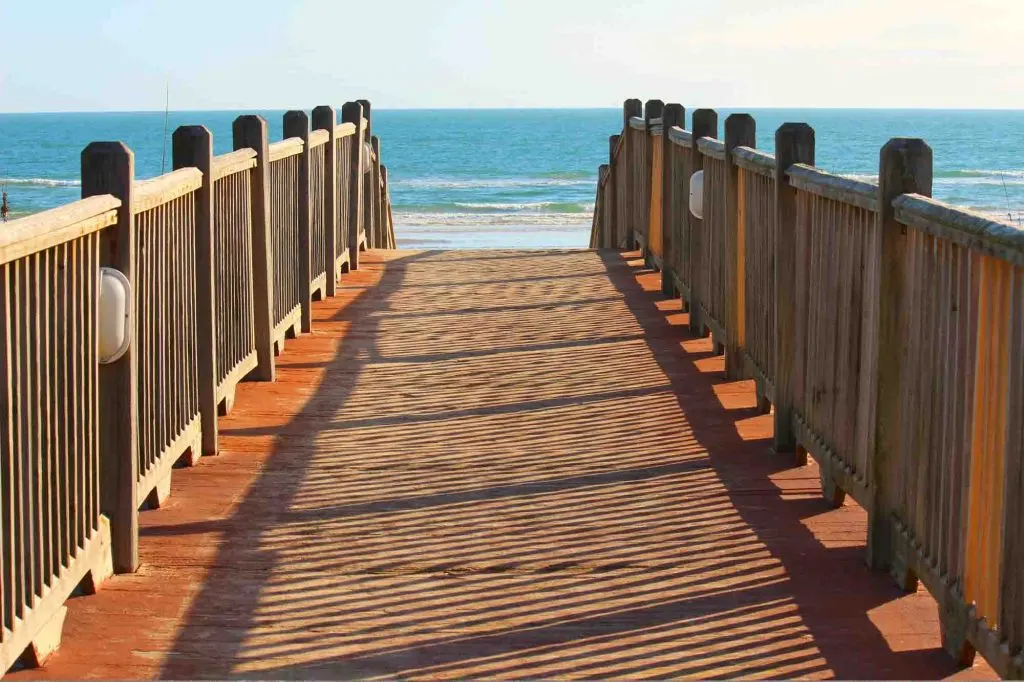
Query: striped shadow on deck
503, 465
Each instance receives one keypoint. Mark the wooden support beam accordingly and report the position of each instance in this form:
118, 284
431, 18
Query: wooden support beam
352, 112
740, 131
325, 118
705, 124
794, 143
672, 115
296, 124
905, 167
192, 146
250, 132
611, 197
109, 168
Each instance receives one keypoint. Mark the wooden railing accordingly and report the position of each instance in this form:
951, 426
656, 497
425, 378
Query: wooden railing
222, 256
54, 536
884, 330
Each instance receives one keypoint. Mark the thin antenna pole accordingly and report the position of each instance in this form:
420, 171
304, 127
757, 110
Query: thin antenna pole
167, 114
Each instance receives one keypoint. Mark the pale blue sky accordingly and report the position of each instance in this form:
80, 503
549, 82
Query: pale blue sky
59, 55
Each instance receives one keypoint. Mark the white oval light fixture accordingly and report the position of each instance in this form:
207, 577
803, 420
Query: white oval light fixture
115, 315
367, 156
697, 195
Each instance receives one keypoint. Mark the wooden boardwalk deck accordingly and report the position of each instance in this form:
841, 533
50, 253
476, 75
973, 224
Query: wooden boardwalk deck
499, 464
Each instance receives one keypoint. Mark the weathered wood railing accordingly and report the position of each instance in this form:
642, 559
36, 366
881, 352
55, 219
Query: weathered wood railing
884, 329
222, 256
54, 535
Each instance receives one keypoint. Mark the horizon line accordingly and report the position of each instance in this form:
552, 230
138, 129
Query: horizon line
506, 108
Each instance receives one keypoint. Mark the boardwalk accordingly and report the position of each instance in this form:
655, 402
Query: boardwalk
501, 464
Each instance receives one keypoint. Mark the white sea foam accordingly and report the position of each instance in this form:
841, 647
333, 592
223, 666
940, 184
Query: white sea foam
463, 220
40, 182
442, 183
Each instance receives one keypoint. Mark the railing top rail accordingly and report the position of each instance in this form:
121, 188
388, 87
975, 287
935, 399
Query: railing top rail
148, 194
282, 149
961, 226
712, 147
850, 191
754, 160
681, 137
637, 123
318, 138
344, 129
233, 162
41, 231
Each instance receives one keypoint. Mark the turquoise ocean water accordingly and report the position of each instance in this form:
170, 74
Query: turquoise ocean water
526, 177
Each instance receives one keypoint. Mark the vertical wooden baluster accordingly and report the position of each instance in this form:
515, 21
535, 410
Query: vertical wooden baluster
296, 124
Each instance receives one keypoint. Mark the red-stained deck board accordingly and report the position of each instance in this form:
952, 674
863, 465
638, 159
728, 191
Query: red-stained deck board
499, 464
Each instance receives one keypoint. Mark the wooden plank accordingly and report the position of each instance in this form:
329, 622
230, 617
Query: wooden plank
290, 146
352, 112
324, 120
709, 146
905, 167
847, 190
319, 138
251, 132
46, 229
739, 132
109, 168
233, 162
961, 226
674, 115
149, 194
794, 143
754, 160
193, 146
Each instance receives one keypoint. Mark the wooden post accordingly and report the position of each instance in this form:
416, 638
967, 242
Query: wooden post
653, 109
631, 108
250, 132
740, 131
296, 124
375, 192
109, 168
705, 124
672, 115
352, 112
325, 118
368, 115
192, 146
385, 212
905, 167
611, 196
794, 143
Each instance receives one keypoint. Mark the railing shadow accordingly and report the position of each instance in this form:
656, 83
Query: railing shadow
532, 480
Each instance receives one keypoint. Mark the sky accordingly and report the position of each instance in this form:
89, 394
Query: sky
119, 55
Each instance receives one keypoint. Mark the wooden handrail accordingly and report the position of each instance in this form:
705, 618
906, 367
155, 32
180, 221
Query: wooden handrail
318, 138
822, 183
282, 149
680, 136
164, 189
709, 146
233, 162
884, 327
754, 160
961, 226
214, 254
34, 233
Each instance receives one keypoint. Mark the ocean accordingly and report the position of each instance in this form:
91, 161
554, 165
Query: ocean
524, 177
